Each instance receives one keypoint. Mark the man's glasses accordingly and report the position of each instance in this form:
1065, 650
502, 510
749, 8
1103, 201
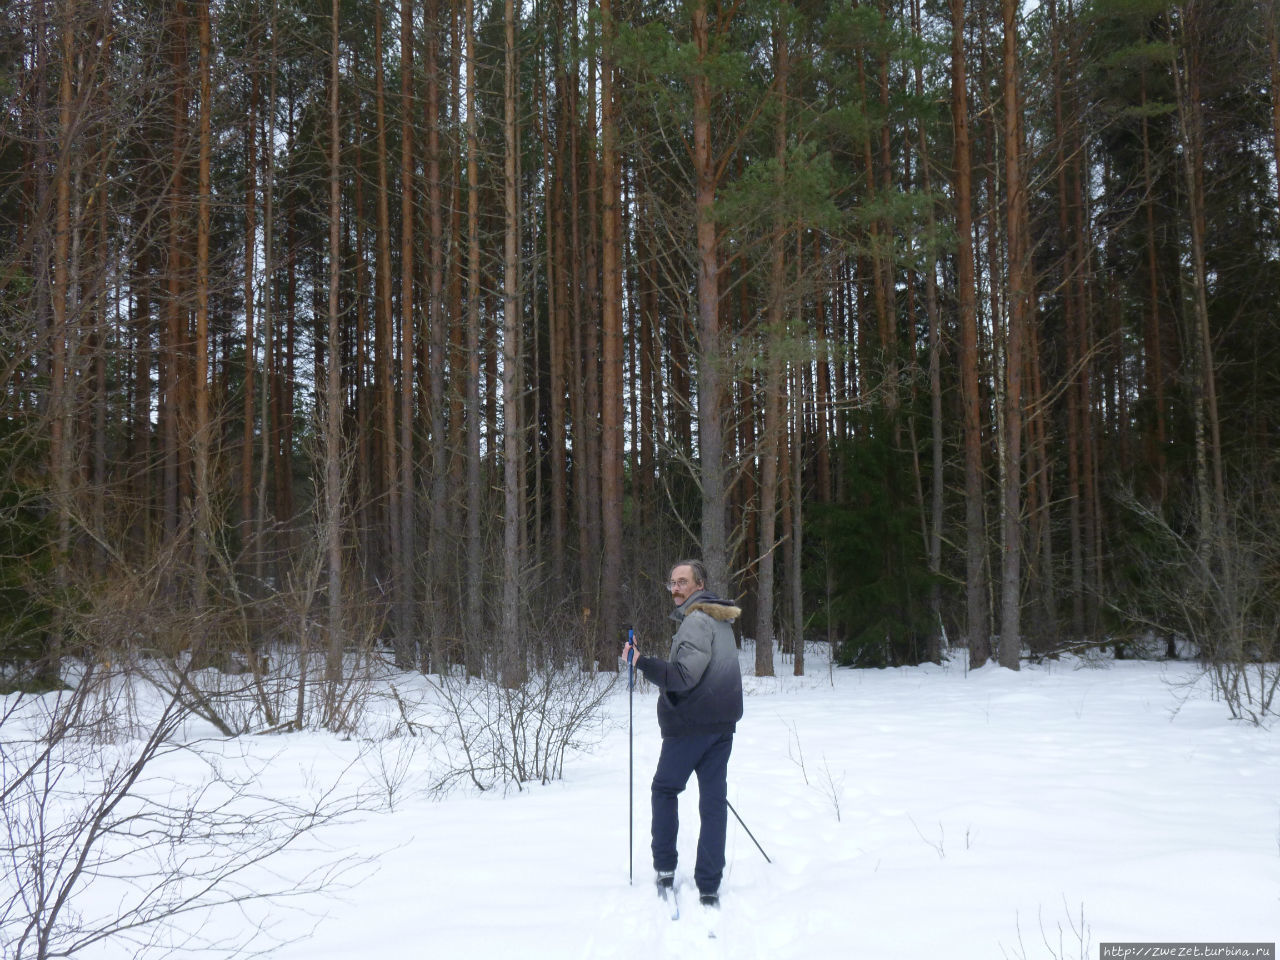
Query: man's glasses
672, 584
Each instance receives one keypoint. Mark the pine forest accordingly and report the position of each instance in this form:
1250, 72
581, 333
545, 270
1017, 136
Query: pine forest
438, 331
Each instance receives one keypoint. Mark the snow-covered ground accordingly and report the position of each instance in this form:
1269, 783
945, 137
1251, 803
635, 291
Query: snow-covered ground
909, 813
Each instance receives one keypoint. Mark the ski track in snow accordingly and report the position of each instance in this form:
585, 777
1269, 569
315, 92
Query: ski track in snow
967, 815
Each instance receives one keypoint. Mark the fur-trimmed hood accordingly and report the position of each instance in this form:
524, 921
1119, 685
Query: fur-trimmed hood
706, 602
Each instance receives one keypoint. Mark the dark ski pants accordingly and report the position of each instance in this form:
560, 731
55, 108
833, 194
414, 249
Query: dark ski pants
707, 755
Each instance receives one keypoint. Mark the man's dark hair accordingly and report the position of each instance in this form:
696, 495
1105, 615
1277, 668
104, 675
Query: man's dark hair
699, 570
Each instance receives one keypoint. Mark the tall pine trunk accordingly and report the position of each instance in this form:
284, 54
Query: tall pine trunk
385, 349
333, 401
61, 460
475, 545
773, 372
1210, 484
966, 293
934, 314
1019, 301
795, 569
558, 293
175, 318
587, 430
512, 655
1156, 435
405, 625
611, 373
200, 380
711, 354
438, 339
250, 260
270, 393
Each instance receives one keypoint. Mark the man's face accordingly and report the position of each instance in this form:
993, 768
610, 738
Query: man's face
681, 584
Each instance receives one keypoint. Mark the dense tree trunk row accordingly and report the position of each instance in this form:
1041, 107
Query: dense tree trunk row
685, 279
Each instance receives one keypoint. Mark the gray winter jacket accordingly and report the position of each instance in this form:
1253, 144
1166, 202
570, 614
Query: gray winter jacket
700, 681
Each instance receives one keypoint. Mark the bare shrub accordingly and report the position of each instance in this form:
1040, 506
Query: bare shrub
138, 839
1071, 943
830, 786
242, 664
493, 734
290, 692
1221, 592
393, 767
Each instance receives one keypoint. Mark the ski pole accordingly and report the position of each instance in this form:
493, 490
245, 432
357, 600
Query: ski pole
749, 833
631, 763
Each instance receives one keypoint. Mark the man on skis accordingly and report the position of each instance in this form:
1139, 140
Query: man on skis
699, 705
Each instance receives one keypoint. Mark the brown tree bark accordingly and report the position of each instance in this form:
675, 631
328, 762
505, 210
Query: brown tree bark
888, 277
141, 322
250, 263
774, 372
557, 314
286, 368
937, 482
98, 75
364, 440
437, 324
60, 400
679, 383
795, 497
558, 293
1076, 350
269, 400
513, 659
1090, 464
385, 351
1156, 437
646, 346
966, 293
587, 430
612, 354
175, 339
200, 381
475, 545
455, 358
405, 583
1210, 484
582, 434
711, 352
333, 400
823, 407
1019, 305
